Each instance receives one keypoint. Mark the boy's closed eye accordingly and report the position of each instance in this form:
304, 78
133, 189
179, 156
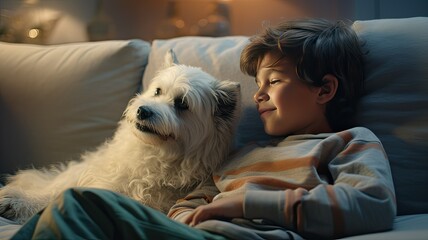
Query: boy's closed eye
270, 82
274, 81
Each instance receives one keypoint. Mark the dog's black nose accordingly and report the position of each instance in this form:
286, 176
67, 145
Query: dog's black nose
144, 113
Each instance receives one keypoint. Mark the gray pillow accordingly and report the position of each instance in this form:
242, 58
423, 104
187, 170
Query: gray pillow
396, 103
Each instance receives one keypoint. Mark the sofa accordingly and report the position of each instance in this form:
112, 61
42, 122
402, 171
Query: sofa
58, 101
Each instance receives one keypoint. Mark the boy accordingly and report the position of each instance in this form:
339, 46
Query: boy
321, 180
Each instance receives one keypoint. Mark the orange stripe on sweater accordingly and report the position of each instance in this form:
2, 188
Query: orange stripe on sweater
288, 208
216, 178
191, 196
263, 180
346, 136
293, 199
276, 166
298, 210
360, 147
338, 219
174, 213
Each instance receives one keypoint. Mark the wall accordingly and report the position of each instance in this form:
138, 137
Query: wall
146, 19
246, 16
374, 9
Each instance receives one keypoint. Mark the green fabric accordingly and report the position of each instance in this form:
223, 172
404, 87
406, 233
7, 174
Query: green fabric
100, 214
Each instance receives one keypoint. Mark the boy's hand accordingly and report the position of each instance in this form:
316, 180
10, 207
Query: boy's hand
229, 207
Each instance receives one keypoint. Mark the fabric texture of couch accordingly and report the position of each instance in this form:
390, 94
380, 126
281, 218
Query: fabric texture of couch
57, 101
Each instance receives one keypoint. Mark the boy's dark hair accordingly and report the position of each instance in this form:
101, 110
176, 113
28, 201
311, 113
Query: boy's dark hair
317, 47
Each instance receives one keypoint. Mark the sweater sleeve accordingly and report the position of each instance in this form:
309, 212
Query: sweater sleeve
202, 195
360, 200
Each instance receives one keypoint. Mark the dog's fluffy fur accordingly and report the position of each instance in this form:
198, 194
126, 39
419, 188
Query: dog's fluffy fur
170, 139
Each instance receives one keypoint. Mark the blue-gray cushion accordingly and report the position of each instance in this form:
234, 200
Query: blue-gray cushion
396, 103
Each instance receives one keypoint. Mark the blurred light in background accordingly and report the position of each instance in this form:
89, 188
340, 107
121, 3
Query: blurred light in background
213, 19
46, 21
63, 21
33, 33
30, 23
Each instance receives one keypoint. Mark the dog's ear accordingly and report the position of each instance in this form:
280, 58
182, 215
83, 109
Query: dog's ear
228, 96
170, 59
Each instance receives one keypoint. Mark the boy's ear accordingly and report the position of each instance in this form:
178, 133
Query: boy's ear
327, 91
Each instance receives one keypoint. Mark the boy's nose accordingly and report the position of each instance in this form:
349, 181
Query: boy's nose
260, 97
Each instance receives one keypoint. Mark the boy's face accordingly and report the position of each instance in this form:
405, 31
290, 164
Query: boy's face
287, 105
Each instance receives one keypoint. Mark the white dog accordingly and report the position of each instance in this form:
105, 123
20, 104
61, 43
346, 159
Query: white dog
170, 139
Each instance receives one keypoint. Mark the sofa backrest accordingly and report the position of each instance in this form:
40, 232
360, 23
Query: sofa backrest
58, 101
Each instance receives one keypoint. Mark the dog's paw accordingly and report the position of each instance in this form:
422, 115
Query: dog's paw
17, 206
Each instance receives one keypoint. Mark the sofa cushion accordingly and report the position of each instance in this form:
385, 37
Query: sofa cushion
219, 57
58, 101
396, 103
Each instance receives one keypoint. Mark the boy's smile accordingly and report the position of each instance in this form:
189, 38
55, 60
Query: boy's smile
265, 111
285, 103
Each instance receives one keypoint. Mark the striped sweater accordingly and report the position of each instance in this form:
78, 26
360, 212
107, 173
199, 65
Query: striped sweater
324, 185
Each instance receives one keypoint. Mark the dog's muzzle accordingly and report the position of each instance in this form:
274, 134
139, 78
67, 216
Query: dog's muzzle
144, 112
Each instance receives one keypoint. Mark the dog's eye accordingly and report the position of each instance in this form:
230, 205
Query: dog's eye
158, 92
181, 104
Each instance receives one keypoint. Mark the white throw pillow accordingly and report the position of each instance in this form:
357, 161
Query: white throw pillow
219, 57
58, 101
